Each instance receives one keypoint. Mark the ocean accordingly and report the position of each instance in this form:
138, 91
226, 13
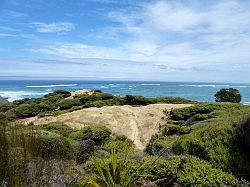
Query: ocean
19, 89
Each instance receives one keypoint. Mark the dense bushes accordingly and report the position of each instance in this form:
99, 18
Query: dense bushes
170, 129
62, 93
95, 132
188, 171
198, 110
136, 100
84, 98
60, 100
84, 150
243, 135
31, 110
67, 104
175, 171
140, 100
56, 127
3, 101
215, 143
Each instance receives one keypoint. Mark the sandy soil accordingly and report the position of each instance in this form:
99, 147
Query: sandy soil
137, 123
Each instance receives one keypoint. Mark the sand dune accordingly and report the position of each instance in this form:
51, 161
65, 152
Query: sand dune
137, 123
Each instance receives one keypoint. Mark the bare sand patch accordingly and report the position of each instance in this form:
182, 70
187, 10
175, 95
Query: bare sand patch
137, 123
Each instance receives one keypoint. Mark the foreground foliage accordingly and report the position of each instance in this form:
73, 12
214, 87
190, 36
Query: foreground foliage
203, 145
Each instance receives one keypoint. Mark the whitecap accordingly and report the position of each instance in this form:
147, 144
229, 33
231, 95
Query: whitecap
204, 85
241, 86
151, 84
15, 95
52, 86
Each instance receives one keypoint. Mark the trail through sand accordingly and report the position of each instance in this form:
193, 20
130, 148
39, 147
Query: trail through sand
137, 123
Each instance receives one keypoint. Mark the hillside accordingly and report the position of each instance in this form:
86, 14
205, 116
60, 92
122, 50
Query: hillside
98, 139
137, 123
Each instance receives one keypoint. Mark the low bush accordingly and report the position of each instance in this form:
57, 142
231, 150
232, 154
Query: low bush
188, 112
50, 145
136, 100
62, 93
31, 110
201, 117
84, 150
175, 100
170, 129
57, 127
216, 143
188, 171
95, 132
121, 143
243, 135
67, 104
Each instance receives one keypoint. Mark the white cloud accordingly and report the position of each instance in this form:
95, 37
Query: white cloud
169, 36
173, 17
78, 50
53, 27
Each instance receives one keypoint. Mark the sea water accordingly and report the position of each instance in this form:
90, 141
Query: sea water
19, 89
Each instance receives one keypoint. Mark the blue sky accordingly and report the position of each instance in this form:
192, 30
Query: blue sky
126, 40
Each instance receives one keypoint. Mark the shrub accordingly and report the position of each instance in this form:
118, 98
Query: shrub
170, 129
136, 100
57, 127
201, 117
67, 104
114, 172
21, 101
121, 143
31, 110
188, 171
62, 93
50, 145
53, 98
97, 91
95, 132
3, 100
228, 95
84, 150
5, 107
176, 100
243, 135
188, 112
215, 143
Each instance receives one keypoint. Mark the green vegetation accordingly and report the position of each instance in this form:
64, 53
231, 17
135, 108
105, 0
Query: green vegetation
206, 144
60, 102
217, 138
97, 133
228, 95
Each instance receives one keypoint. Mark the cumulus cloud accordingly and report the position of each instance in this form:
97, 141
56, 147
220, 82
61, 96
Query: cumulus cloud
53, 27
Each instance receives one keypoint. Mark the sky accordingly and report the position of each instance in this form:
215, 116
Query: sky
168, 40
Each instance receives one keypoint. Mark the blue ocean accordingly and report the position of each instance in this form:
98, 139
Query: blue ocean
18, 89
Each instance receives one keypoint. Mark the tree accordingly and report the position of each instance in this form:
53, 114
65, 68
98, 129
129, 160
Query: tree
228, 95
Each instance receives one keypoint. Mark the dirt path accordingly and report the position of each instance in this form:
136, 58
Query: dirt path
137, 123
